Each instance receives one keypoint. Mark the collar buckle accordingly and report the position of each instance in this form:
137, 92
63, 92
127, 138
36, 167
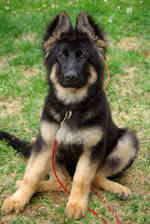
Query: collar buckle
67, 116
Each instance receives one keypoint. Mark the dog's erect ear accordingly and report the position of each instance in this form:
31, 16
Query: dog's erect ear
61, 25
55, 30
86, 25
83, 25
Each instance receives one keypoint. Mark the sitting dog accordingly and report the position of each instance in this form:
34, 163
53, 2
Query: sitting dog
90, 148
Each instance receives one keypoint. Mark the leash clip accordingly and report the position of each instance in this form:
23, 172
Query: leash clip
67, 116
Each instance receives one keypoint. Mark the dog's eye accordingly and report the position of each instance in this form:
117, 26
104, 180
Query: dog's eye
64, 54
79, 54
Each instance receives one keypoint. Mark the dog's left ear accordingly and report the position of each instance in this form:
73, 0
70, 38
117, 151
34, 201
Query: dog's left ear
86, 25
59, 26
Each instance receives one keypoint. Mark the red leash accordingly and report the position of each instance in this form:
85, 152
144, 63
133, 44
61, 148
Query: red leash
146, 52
108, 76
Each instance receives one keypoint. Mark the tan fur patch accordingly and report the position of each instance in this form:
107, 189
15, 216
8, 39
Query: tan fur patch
48, 45
48, 131
89, 115
88, 137
41, 159
100, 51
49, 186
55, 114
101, 43
124, 152
108, 185
72, 95
52, 184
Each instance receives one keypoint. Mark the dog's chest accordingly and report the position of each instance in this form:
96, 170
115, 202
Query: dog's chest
71, 132
68, 136
69, 146
68, 133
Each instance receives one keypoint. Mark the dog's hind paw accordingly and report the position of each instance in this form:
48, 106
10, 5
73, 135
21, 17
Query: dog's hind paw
11, 205
75, 211
124, 193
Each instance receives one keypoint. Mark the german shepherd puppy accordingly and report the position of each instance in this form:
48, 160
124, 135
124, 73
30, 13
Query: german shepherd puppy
90, 147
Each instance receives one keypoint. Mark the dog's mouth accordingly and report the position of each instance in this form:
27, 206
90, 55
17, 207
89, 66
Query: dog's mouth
72, 84
77, 81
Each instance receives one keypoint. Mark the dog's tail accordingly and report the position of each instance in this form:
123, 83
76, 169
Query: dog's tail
19, 145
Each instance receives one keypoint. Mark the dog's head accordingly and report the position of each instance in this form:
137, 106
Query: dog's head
74, 56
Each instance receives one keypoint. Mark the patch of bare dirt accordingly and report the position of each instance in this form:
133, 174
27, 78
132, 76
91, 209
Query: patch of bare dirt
128, 80
10, 108
3, 61
129, 43
26, 37
130, 71
27, 71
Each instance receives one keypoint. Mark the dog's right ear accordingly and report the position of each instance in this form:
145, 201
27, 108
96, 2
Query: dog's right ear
86, 25
60, 25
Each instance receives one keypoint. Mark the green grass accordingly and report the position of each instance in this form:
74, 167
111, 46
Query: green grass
23, 89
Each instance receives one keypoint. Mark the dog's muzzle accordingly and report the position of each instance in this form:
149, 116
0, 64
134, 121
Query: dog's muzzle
71, 76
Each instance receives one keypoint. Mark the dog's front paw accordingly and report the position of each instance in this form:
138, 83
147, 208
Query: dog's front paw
11, 204
75, 210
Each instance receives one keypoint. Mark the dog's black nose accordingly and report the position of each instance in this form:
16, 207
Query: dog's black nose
71, 76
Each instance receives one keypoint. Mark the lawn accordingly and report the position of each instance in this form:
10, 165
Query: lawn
23, 88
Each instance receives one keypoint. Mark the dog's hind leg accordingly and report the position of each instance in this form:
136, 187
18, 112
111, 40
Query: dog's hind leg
120, 158
52, 184
37, 168
111, 186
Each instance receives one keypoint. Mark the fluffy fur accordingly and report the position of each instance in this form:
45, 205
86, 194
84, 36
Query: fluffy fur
90, 147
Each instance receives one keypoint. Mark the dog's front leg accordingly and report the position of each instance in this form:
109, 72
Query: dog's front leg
84, 174
36, 169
